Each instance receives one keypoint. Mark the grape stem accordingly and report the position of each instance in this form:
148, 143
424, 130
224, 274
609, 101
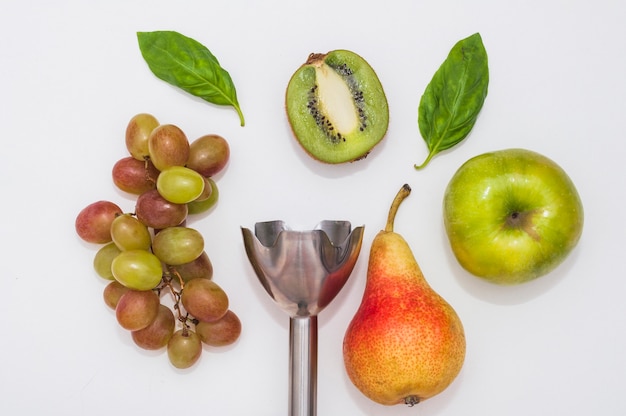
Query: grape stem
178, 276
147, 170
167, 282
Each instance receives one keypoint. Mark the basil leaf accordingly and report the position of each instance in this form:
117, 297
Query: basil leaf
188, 65
452, 100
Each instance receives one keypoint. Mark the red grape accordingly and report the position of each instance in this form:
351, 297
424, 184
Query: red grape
137, 132
134, 176
200, 206
204, 299
158, 333
222, 332
157, 212
168, 146
93, 223
208, 154
136, 309
200, 268
113, 292
206, 191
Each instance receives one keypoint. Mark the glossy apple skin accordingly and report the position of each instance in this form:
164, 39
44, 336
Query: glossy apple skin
512, 215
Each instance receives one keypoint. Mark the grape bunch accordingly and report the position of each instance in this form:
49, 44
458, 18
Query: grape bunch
150, 255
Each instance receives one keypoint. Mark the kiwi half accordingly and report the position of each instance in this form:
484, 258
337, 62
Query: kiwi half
337, 107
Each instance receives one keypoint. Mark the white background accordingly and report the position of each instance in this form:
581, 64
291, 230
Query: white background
71, 76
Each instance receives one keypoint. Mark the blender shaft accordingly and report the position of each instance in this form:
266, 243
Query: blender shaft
303, 366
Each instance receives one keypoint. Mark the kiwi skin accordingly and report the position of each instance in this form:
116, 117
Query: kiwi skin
315, 129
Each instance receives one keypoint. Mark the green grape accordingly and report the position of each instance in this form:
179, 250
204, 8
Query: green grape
137, 269
158, 333
177, 245
200, 206
137, 132
128, 233
136, 309
204, 299
103, 259
168, 146
222, 332
113, 292
179, 184
184, 348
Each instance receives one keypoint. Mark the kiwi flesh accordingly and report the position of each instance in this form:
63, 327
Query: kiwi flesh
336, 107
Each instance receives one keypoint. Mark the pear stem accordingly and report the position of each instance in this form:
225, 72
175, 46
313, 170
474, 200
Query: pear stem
402, 193
411, 400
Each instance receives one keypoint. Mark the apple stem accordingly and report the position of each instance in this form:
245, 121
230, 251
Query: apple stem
402, 193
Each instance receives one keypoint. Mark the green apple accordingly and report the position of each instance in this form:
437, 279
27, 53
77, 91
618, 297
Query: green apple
511, 215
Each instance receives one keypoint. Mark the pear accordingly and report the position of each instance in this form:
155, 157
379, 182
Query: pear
405, 343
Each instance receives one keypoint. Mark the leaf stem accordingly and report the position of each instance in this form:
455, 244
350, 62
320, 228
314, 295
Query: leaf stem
425, 162
240, 113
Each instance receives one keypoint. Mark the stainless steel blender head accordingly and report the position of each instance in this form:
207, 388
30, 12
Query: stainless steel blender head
303, 271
